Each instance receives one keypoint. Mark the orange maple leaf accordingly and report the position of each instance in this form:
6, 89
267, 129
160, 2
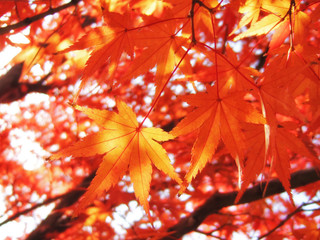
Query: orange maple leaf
108, 43
307, 228
278, 155
279, 86
159, 41
226, 70
217, 117
163, 48
125, 144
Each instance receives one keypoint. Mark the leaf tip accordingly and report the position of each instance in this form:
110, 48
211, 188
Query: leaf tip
183, 188
52, 157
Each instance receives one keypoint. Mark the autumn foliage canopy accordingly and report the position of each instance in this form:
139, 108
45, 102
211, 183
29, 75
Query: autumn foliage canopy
158, 119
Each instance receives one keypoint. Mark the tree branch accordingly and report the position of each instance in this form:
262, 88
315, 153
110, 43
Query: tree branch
57, 221
11, 89
27, 21
220, 200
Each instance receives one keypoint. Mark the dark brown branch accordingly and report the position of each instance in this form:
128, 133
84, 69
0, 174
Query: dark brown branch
11, 89
27, 21
10, 79
57, 221
220, 200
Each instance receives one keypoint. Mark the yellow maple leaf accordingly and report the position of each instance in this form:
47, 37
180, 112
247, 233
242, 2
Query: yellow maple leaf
283, 16
125, 144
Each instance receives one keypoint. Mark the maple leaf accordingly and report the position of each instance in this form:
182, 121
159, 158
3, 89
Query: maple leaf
125, 144
108, 43
281, 85
252, 11
282, 141
217, 117
227, 69
150, 7
308, 230
163, 48
266, 24
285, 16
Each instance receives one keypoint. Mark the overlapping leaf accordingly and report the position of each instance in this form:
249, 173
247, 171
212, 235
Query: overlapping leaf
125, 144
283, 16
108, 43
160, 45
278, 156
163, 49
284, 80
278, 11
217, 117
228, 69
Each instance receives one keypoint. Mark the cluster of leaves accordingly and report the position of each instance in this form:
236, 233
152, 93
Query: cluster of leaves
230, 90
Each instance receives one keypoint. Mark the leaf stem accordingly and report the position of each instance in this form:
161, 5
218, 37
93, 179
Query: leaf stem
165, 85
154, 23
215, 54
231, 64
292, 3
291, 12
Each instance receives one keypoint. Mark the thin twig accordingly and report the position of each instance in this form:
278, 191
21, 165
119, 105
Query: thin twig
290, 215
210, 234
27, 21
282, 222
27, 210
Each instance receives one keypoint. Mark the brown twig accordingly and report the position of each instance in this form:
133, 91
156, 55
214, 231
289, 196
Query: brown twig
290, 215
57, 221
282, 222
28, 210
11, 89
27, 21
